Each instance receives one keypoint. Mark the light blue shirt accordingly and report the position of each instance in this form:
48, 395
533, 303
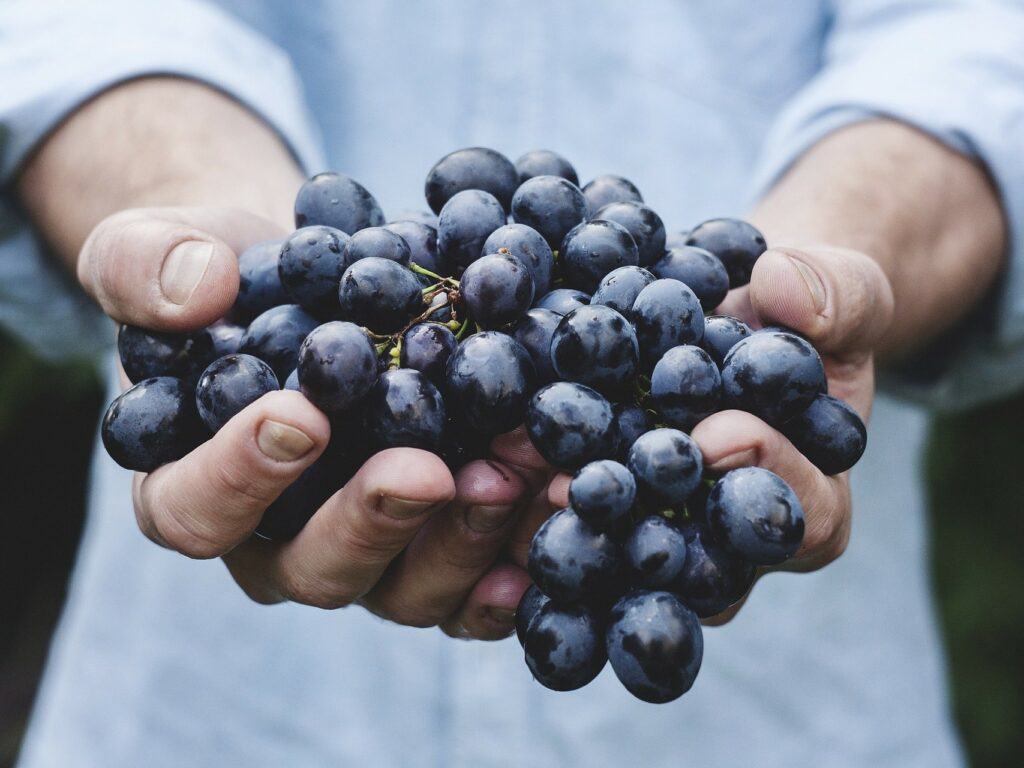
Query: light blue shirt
162, 661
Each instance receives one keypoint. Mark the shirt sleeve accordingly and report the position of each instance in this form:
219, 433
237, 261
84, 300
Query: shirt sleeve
56, 55
955, 70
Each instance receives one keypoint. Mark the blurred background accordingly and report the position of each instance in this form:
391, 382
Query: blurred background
48, 417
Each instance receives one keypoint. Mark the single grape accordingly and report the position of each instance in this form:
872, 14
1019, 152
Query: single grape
596, 346
534, 331
229, 384
685, 386
643, 224
571, 561
476, 168
736, 243
551, 205
465, 223
526, 244
259, 282
460, 444
292, 382
377, 242
426, 348
713, 578
226, 337
422, 241
529, 606
593, 249
722, 333
699, 269
830, 433
146, 354
620, 287
606, 189
773, 375
336, 200
497, 289
602, 492
489, 381
667, 466
544, 162
629, 422
569, 424
313, 259
757, 515
380, 294
427, 218
337, 366
404, 410
563, 647
562, 300
666, 314
276, 335
655, 553
152, 423
655, 646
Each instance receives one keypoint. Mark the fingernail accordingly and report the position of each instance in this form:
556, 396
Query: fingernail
403, 509
282, 442
483, 519
747, 458
814, 285
502, 616
184, 268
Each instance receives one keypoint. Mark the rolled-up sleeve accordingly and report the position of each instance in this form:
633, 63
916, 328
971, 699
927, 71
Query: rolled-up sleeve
955, 70
56, 55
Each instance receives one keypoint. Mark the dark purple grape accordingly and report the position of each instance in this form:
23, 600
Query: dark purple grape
544, 162
563, 647
336, 200
667, 466
630, 421
422, 241
830, 433
534, 332
620, 287
460, 444
229, 384
489, 381
655, 646
465, 223
643, 224
602, 492
655, 553
377, 242
411, 214
426, 348
476, 168
571, 561
497, 289
666, 314
773, 375
292, 382
713, 578
569, 424
529, 606
757, 515
152, 423
551, 205
276, 335
226, 337
380, 294
699, 269
337, 366
593, 249
686, 386
259, 283
736, 243
606, 189
146, 354
722, 333
313, 259
596, 346
563, 300
404, 410
526, 244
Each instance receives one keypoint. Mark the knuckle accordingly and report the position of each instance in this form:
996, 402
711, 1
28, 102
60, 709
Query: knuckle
318, 593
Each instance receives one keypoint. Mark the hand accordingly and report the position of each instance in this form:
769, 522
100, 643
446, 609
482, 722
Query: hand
403, 537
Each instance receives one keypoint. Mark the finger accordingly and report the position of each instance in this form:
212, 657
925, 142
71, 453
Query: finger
514, 449
840, 299
731, 439
489, 613
213, 498
530, 519
456, 546
346, 546
558, 491
168, 268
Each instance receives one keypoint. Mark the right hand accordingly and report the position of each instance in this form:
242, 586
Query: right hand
403, 537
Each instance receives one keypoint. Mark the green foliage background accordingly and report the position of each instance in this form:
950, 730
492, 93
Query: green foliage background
48, 417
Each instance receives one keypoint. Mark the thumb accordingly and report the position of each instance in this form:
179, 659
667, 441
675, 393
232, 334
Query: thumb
838, 298
168, 269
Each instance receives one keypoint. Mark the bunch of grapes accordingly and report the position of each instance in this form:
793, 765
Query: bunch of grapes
526, 299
